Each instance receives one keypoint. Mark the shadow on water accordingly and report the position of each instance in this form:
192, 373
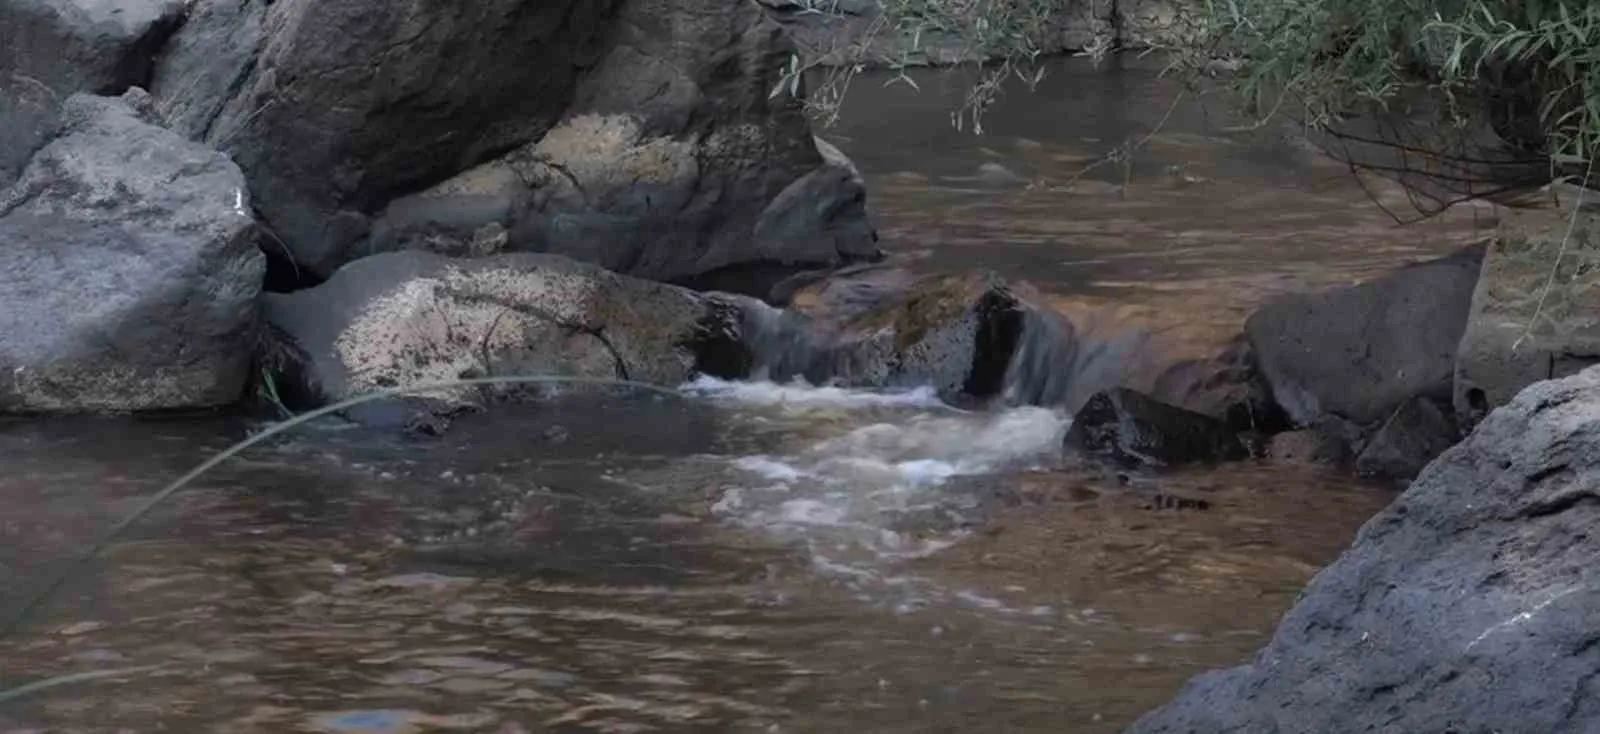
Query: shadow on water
759, 558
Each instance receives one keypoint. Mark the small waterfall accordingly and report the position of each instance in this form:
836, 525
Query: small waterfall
784, 346
1057, 363
1021, 352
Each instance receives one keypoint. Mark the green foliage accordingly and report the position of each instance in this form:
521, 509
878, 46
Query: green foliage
1530, 67
1556, 43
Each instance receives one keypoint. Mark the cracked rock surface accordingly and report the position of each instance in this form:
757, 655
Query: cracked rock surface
1472, 604
408, 318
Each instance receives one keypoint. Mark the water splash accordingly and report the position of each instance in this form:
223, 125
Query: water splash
801, 394
881, 492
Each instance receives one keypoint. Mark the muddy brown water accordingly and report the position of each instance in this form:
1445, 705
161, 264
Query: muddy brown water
755, 557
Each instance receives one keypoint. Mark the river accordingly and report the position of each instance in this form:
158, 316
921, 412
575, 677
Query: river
752, 557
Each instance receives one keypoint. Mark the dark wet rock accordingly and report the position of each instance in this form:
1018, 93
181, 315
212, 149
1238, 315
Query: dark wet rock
974, 337
1359, 352
1130, 428
407, 318
956, 333
970, 336
636, 134
1470, 604
1328, 442
844, 293
128, 271
1418, 432
1228, 387
1527, 323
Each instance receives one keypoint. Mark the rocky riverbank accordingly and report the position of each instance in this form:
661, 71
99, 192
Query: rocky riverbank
299, 138
313, 200
1470, 604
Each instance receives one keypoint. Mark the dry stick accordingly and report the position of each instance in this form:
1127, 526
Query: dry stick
39, 598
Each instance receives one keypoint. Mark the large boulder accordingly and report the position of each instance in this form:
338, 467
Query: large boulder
637, 134
1132, 429
408, 318
50, 49
1357, 353
128, 269
1472, 604
1536, 311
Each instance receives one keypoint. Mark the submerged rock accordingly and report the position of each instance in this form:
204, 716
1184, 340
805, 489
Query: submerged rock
1131, 428
1416, 434
1358, 353
407, 318
637, 134
1470, 604
128, 269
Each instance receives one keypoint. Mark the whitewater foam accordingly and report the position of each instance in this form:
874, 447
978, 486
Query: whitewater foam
881, 491
802, 394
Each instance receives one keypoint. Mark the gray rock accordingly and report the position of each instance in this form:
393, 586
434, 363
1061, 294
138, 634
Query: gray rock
1418, 432
54, 48
637, 134
101, 46
1133, 429
1527, 322
1472, 604
29, 115
129, 275
204, 67
407, 318
1359, 352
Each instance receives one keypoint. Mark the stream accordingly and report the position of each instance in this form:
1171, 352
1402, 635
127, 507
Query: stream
752, 556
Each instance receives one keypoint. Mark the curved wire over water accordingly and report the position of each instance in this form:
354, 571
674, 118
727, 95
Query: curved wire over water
21, 617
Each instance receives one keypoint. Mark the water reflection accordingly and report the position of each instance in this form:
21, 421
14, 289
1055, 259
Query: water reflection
493, 580
579, 565
1208, 220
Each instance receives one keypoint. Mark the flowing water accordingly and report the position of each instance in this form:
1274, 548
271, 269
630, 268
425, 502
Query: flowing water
751, 557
